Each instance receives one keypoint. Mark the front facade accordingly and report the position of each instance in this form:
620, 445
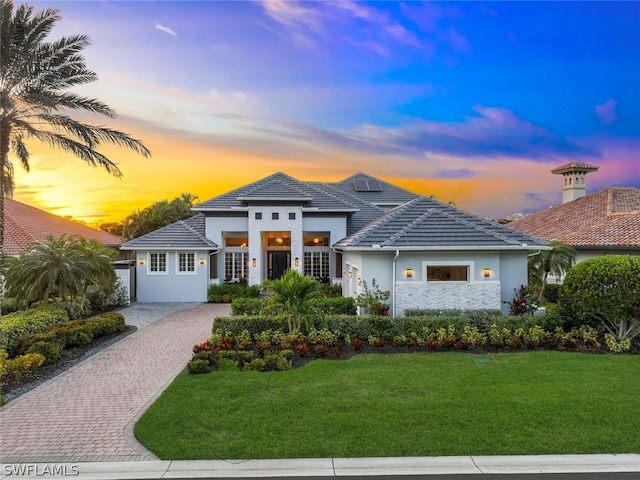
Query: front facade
425, 253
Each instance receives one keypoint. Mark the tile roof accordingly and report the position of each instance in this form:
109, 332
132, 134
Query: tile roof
389, 194
425, 222
276, 187
606, 218
25, 225
575, 166
183, 234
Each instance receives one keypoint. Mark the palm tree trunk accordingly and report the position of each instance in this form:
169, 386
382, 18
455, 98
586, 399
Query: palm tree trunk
5, 131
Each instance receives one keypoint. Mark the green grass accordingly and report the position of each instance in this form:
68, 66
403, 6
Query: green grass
403, 405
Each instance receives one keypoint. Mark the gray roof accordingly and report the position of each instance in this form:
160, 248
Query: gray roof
183, 234
389, 194
278, 187
424, 222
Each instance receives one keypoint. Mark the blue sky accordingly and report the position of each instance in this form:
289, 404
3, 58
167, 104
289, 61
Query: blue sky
473, 102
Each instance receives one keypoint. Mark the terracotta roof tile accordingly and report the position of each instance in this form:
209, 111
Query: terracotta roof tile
25, 225
609, 217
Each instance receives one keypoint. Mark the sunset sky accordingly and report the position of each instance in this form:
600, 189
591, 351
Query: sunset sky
471, 102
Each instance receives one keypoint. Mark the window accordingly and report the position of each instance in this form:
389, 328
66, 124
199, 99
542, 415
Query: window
157, 262
275, 215
447, 273
186, 262
316, 241
236, 266
258, 215
236, 241
316, 264
292, 215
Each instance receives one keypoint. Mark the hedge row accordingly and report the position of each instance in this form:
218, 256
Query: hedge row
267, 305
364, 326
226, 292
18, 324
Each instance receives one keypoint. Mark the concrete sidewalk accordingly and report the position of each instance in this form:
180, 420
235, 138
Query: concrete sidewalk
87, 413
331, 467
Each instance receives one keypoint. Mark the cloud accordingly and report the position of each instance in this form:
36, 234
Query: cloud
456, 173
166, 29
607, 111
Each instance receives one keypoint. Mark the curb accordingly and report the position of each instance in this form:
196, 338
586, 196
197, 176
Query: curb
328, 467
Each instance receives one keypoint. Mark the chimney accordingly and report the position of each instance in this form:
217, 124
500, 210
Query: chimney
574, 174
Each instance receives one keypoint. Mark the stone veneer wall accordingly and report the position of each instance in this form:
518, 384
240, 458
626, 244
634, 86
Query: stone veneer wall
447, 295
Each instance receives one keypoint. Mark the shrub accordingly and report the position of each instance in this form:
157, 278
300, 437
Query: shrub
107, 323
604, 290
24, 363
207, 356
9, 305
108, 295
198, 366
257, 364
18, 324
333, 305
52, 351
226, 292
247, 306
551, 292
373, 301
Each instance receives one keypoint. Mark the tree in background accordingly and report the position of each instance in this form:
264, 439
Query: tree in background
35, 78
61, 268
556, 262
158, 215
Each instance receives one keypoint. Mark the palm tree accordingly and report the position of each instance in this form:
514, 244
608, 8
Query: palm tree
35, 79
294, 291
556, 262
100, 271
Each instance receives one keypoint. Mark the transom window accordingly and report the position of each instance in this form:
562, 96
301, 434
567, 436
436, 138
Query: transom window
316, 241
158, 262
236, 241
447, 273
186, 262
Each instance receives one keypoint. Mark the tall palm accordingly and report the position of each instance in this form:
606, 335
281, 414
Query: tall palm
99, 269
35, 98
556, 262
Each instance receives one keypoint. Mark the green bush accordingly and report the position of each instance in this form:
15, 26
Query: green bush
107, 323
52, 351
9, 305
257, 364
603, 291
24, 363
333, 305
480, 317
254, 324
206, 355
551, 292
247, 306
226, 292
198, 366
25, 322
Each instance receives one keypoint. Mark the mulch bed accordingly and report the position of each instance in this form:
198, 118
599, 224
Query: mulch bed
13, 386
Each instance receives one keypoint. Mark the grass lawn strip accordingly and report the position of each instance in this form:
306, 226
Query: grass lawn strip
403, 405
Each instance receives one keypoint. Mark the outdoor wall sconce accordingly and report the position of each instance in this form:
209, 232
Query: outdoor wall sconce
254, 262
141, 261
350, 274
487, 272
409, 272
359, 281
296, 261
201, 261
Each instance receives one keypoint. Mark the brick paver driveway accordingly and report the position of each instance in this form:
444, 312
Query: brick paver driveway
87, 413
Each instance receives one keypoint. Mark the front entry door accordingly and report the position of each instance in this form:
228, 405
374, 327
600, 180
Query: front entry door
279, 263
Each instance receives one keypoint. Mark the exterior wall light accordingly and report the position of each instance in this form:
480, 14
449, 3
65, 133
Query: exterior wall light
141, 261
486, 272
359, 281
409, 272
350, 274
296, 262
254, 262
201, 261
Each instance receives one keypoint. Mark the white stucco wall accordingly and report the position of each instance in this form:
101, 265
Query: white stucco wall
171, 286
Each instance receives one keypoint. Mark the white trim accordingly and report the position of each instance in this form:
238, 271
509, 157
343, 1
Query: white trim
166, 263
186, 272
453, 263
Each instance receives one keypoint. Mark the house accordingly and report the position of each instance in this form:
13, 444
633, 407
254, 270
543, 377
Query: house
605, 222
426, 253
25, 225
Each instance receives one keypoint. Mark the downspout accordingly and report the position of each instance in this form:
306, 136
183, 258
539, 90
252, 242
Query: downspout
393, 286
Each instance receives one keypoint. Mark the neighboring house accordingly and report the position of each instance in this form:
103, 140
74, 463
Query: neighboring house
605, 222
25, 225
426, 253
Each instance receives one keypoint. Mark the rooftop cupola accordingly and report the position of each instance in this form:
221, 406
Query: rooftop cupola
575, 185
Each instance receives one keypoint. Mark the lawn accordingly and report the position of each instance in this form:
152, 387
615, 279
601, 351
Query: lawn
403, 405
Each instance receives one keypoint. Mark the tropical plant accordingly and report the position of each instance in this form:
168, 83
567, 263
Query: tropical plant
293, 292
35, 79
158, 215
556, 261
60, 268
604, 290
372, 300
